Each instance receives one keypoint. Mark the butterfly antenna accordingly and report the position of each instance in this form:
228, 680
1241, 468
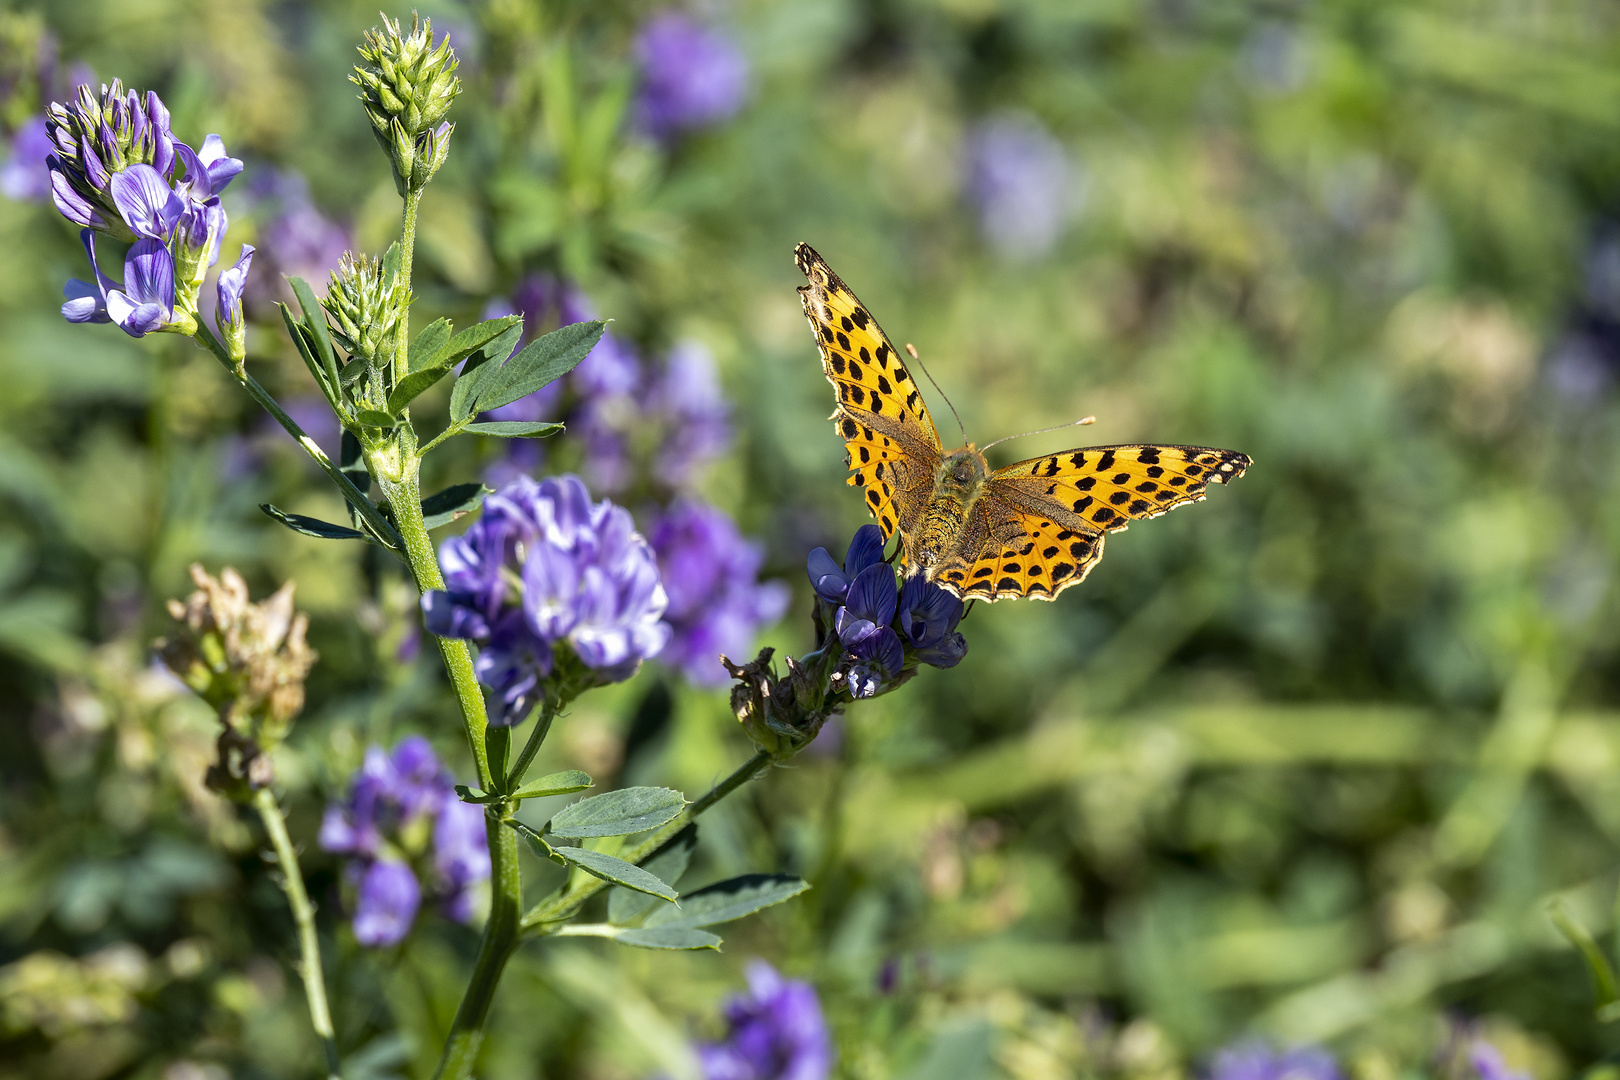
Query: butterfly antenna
1082, 422
912, 349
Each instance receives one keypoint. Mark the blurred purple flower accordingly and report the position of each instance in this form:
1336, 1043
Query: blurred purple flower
716, 601
545, 566
1252, 1059
295, 239
692, 76
831, 581
1019, 181
695, 416
1487, 1062
387, 895
396, 805
25, 177
777, 1032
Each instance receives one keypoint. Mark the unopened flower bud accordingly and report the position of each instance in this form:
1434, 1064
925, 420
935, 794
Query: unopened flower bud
364, 307
781, 715
407, 83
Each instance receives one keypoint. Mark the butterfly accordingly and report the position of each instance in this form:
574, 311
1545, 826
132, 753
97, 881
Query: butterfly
1030, 529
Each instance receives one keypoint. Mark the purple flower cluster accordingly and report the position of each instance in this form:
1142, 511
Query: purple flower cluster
1019, 181
716, 601
882, 629
295, 239
612, 399
1256, 1060
545, 567
692, 76
116, 168
777, 1032
24, 176
402, 813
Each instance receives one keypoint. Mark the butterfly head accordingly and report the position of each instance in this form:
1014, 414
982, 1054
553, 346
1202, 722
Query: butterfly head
962, 471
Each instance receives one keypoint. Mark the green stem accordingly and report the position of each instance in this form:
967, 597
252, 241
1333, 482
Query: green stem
550, 706
303, 912
407, 255
565, 901
500, 939
259, 394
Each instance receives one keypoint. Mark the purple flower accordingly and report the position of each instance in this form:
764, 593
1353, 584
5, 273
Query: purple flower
295, 239
832, 582
874, 649
98, 137
545, 566
928, 619
777, 1032
692, 76
1254, 1060
397, 806
228, 315
144, 303
25, 176
695, 415
1487, 1062
1019, 181
146, 202
388, 895
461, 856
716, 601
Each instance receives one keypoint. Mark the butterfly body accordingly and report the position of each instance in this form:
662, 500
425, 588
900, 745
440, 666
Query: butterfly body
1031, 529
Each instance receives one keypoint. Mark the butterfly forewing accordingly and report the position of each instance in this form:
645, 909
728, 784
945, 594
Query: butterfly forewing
1045, 518
892, 446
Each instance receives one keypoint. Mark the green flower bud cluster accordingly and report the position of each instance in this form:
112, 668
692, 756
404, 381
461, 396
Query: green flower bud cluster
249, 662
407, 85
365, 309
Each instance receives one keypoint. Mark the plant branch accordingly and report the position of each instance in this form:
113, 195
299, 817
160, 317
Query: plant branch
565, 902
303, 913
550, 706
259, 394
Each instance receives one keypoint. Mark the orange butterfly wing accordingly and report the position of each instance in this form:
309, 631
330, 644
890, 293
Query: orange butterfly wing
1045, 518
889, 438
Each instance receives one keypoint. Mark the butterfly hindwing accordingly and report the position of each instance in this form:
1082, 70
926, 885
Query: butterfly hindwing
892, 446
1018, 554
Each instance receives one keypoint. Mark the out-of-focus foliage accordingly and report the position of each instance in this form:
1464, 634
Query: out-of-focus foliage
1309, 760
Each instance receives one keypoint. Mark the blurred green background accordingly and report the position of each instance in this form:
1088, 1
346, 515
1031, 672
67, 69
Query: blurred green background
1310, 760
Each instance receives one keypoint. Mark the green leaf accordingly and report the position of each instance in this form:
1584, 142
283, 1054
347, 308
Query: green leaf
390, 261
474, 795
536, 842
375, 418
412, 386
315, 323
309, 526
616, 870
619, 813
305, 344
668, 937
425, 350
1603, 981
459, 500
668, 863
475, 337
559, 783
542, 361
728, 900
352, 463
514, 429
479, 368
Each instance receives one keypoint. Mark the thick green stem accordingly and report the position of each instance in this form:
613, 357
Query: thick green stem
303, 913
405, 498
500, 939
565, 902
